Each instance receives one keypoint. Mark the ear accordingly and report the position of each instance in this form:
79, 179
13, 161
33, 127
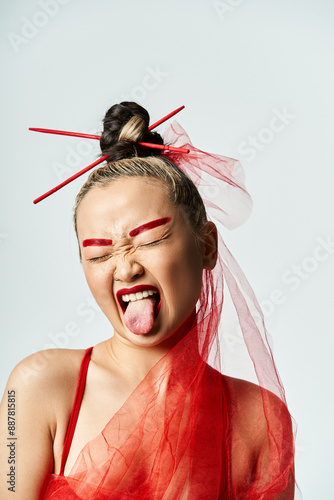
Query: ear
210, 246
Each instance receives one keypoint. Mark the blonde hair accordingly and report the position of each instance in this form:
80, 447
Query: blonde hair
133, 129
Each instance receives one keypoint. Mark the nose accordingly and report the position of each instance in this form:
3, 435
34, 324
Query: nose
127, 269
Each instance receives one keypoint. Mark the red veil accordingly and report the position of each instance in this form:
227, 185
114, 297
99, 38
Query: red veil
189, 430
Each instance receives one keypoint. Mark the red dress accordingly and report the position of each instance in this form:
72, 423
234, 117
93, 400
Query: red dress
171, 449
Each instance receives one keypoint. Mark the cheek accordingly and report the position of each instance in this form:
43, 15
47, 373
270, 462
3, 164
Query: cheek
192, 261
100, 284
183, 274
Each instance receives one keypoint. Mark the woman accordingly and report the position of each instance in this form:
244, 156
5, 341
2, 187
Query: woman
148, 412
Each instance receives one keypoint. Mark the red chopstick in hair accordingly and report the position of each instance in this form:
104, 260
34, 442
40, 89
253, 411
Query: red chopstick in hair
172, 113
90, 136
70, 179
100, 160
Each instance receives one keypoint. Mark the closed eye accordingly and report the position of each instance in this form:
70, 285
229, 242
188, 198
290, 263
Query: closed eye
152, 243
96, 259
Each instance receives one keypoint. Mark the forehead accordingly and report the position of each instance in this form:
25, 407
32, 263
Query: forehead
121, 206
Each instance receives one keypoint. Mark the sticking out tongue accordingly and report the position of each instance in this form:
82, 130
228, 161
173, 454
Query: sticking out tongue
139, 315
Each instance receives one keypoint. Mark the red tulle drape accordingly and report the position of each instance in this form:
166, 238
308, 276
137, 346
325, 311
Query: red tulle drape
209, 421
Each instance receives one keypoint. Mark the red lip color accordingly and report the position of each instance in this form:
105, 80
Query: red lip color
134, 289
149, 225
96, 242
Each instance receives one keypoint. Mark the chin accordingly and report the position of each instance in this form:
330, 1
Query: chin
159, 334
160, 338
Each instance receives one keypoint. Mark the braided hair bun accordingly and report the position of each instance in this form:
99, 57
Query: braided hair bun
124, 126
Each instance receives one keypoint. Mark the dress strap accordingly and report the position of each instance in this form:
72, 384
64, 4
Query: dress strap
76, 408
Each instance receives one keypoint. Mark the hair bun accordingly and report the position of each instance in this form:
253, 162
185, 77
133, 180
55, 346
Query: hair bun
124, 126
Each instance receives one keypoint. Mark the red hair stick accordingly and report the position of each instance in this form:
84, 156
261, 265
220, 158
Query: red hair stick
53, 190
90, 136
100, 160
154, 125
63, 132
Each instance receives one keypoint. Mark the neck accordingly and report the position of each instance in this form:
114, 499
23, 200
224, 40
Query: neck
136, 361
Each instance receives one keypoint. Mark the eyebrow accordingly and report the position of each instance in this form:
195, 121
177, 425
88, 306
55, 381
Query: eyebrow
149, 225
98, 242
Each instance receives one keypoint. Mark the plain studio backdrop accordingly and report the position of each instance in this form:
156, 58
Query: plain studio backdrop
256, 78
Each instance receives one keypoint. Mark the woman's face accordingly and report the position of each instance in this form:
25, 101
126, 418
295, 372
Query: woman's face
134, 241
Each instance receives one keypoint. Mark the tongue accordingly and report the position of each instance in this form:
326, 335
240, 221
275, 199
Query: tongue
139, 315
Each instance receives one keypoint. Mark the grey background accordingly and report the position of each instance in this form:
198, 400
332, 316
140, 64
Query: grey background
235, 65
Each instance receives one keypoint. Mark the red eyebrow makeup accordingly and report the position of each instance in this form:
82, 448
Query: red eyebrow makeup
96, 242
100, 242
149, 225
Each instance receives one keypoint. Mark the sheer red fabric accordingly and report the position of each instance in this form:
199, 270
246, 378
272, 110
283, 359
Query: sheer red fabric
210, 420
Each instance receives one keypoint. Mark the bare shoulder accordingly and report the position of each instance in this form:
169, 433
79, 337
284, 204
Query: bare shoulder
253, 398
249, 406
39, 392
49, 369
241, 391
47, 375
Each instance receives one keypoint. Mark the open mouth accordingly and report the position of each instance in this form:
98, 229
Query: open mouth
140, 292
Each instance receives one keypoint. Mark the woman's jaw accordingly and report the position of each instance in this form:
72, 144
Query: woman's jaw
155, 340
